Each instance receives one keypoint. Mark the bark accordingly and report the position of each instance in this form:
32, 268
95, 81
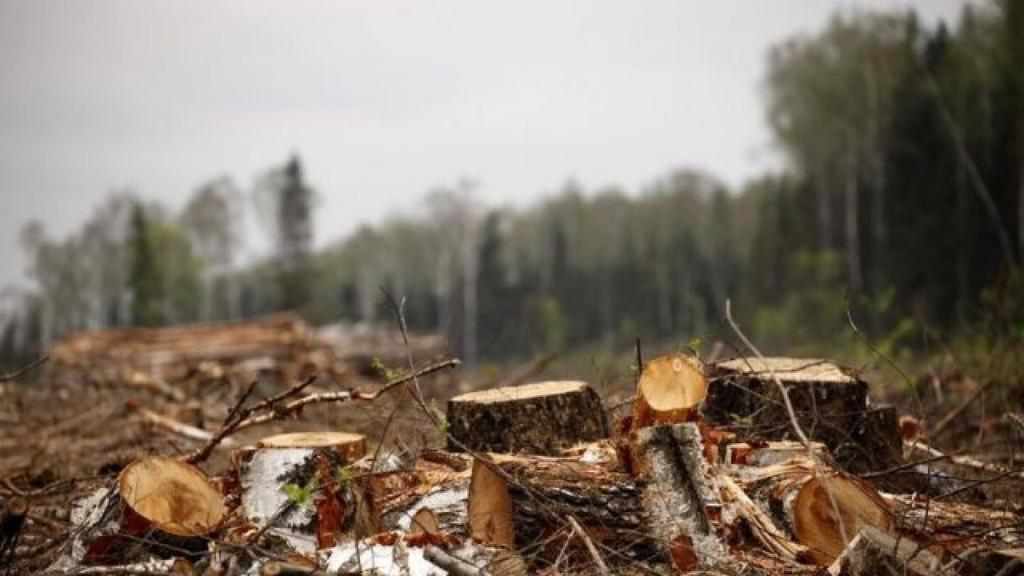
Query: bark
875, 552
831, 406
293, 485
541, 418
677, 496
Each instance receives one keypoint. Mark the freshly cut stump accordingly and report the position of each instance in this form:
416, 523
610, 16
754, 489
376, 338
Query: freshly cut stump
670, 390
296, 484
164, 504
174, 497
540, 418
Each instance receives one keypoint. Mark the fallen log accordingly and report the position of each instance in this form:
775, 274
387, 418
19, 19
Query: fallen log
670, 390
539, 418
822, 508
292, 485
677, 496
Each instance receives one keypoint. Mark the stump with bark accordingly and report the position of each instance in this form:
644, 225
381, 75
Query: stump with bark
296, 485
160, 505
830, 404
539, 418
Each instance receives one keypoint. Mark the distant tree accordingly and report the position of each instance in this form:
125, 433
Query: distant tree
285, 201
213, 225
146, 280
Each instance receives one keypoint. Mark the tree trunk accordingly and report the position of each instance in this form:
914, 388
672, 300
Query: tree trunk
540, 418
851, 214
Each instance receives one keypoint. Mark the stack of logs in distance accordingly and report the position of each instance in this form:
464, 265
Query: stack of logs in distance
702, 474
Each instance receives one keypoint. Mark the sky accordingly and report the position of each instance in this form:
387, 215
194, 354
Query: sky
382, 100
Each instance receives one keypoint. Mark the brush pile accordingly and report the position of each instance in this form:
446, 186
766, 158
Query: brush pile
747, 466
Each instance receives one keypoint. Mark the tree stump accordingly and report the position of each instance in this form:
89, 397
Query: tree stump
670, 390
296, 485
539, 418
160, 505
830, 404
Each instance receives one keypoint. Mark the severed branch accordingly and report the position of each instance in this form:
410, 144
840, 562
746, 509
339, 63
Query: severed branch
279, 406
594, 554
172, 425
24, 369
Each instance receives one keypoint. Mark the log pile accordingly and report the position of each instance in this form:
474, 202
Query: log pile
705, 474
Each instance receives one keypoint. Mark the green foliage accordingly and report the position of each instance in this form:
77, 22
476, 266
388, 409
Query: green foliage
301, 496
146, 279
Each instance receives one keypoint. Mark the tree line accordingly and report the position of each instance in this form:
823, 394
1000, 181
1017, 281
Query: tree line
901, 206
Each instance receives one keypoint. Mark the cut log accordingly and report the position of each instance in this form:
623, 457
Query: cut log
294, 485
172, 496
677, 497
670, 390
768, 453
874, 552
823, 509
490, 507
606, 502
540, 418
830, 404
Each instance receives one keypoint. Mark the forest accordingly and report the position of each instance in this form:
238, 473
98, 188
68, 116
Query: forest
899, 215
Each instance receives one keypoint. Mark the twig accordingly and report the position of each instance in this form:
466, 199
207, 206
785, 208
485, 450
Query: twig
172, 425
273, 411
594, 554
790, 411
21, 371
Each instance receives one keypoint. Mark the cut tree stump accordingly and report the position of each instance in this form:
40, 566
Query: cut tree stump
670, 390
804, 497
539, 418
295, 484
172, 496
159, 505
830, 404
677, 496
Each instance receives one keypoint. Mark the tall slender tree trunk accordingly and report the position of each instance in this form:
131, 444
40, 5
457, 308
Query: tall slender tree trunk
824, 202
852, 222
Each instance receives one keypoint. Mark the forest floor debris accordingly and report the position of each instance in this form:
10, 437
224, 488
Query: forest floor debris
241, 457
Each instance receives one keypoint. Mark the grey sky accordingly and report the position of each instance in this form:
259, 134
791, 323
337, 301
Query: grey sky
383, 100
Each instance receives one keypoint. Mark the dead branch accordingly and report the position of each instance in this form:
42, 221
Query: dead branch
24, 369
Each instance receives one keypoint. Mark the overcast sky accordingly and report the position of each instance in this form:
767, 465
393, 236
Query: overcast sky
382, 100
